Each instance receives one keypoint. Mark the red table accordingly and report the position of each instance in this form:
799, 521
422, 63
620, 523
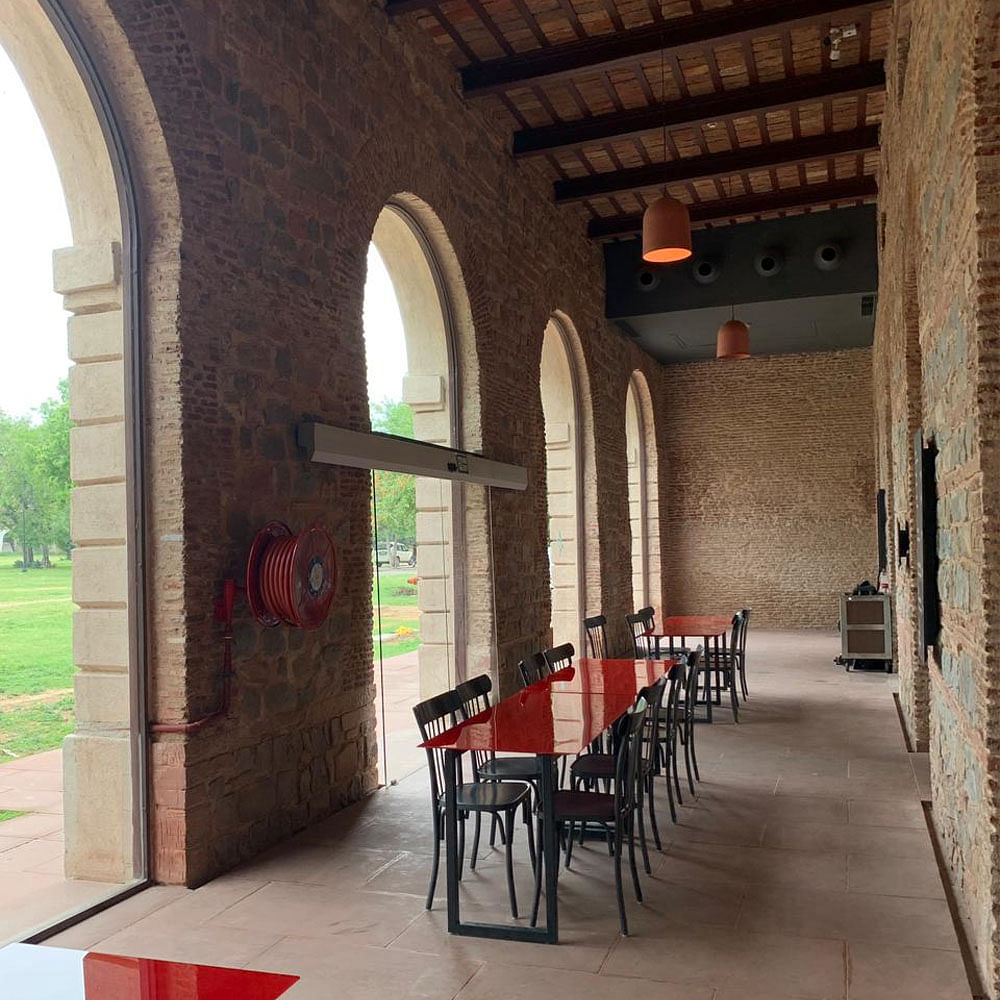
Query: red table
713, 630
555, 717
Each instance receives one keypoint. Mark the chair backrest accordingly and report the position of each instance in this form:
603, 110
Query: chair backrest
653, 695
640, 624
559, 656
533, 668
746, 628
629, 757
474, 697
597, 636
736, 637
434, 716
691, 678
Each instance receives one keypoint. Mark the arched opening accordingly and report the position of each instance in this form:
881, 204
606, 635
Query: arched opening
564, 494
640, 444
423, 382
88, 787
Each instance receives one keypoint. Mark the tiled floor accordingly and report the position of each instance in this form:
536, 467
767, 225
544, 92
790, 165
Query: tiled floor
33, 889
802, 872
401, 755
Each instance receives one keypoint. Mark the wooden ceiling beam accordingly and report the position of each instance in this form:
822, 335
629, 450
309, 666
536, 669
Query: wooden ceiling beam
693, 111
811, 196
716, 165
676, 37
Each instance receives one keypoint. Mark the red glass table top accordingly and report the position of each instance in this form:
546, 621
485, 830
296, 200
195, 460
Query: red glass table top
693, 625
557, 716
625, 676
36, 972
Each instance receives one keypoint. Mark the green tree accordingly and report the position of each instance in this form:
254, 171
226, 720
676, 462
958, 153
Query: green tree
395, 492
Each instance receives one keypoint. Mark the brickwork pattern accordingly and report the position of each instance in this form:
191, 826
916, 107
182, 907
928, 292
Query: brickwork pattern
284, 140
770, 470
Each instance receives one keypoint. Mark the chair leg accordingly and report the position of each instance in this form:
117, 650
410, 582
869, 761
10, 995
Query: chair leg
694, 755
493, 829
475, 842
461, 843
540, 835
435, 864
569, 842
652, 814
671, 762
509, 851
743, 678
618, 882
733, 700
631, 859
642, 836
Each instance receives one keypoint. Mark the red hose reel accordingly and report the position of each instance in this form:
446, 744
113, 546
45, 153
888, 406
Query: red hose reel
291, 579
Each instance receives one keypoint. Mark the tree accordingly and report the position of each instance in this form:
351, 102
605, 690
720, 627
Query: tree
34, 477
395, 492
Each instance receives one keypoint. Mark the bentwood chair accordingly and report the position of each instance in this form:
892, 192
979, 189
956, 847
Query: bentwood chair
533, 668
591, 768
686, 720
741, 653
498, 798
641, 624
616, 811
559, 657
474, 697
597, 636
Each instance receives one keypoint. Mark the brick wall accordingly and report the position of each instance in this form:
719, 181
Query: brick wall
770, 470
935, 370
265, 137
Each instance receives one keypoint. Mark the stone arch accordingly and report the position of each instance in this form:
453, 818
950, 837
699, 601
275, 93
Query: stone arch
644, 522
565, 394
441, 388
110, 154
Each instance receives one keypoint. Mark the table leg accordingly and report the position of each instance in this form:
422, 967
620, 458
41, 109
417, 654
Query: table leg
550, 849
718, 670
451, 839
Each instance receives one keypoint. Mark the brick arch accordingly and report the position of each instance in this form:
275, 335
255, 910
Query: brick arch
82, 77
643, 492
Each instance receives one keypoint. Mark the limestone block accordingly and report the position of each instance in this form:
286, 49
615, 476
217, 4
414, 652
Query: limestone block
96, 336
97, 392
564, 574
434, 666
433, 595
97, 453
433, 494
432, 528
97, 802
432, 426
100, 638
88, 277
98, 513
424, 392
562, 505
437, 627
557, 434
100, 574
102, 700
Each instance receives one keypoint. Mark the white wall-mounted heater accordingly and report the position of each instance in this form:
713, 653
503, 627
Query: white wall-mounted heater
359, 450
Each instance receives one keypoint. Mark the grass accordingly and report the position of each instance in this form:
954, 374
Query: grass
6, 814
36, 612
36, 656
396, 593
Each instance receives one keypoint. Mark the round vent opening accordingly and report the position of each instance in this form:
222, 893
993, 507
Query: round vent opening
705, 270
646, 280
769, 262
828, 256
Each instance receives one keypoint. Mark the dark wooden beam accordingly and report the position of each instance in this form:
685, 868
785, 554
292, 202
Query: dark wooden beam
693, 111
676, 37
810, 196
717, 165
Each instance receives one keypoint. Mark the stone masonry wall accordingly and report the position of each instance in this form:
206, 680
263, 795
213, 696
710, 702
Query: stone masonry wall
935, 370
769, 465
287, 127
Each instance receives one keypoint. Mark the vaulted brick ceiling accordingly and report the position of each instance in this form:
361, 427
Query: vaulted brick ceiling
745, 108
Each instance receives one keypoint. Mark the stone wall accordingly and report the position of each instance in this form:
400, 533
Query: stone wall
935, 371
769, 465
287, 128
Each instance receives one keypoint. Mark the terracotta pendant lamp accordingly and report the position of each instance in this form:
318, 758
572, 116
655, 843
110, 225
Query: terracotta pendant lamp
666, 225
732, 343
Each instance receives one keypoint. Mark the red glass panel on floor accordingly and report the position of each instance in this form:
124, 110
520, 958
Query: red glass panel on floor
35, 972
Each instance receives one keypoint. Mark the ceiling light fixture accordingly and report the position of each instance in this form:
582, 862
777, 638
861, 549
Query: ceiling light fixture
666, 225
732, 342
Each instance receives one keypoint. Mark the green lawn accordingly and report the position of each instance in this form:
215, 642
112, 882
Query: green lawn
396, 593
36, 656
36, 613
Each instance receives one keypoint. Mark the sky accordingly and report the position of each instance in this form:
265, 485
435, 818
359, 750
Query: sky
33, 222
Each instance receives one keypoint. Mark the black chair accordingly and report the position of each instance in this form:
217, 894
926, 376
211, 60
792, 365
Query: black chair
533, 669
474, 697
559, 656
741, 653
641, 624
686, 719
597, 636
615, 811
593, 767
434, 716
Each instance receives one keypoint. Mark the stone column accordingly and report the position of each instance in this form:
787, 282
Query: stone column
97, 759
564, 546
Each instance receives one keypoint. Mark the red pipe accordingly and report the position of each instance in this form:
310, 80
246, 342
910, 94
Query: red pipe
224, 612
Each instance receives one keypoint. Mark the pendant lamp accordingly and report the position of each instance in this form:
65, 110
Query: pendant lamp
666, 225
733, 340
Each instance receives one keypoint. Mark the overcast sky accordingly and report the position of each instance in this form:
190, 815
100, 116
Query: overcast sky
33, 222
